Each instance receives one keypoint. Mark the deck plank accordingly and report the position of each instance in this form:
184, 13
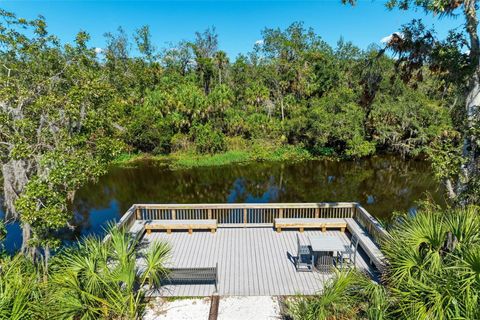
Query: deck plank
251, 261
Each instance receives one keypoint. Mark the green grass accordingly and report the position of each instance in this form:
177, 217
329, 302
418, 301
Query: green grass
130, 159
187, 160
183, 160
125, 158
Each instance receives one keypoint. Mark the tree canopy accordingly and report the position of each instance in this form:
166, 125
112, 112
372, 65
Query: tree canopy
67, 110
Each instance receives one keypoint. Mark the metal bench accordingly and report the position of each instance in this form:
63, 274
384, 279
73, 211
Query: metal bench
314, 223
190, 225
181, 276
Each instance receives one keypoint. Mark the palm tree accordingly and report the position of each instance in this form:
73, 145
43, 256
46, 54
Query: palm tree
434, 270
348, 295
105, 280
20, 289
221, 61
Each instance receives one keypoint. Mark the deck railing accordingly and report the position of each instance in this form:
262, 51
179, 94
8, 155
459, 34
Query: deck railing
254, 214
376, 231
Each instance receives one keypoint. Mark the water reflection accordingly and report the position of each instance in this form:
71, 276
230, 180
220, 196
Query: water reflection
381, 184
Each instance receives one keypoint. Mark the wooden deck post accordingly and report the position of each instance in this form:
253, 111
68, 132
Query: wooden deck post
317, 213
174, 214
149, 231
245, 217
280, 214
209, 214
138, 214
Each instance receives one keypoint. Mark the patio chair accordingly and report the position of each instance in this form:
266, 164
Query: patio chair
349, 256
304, 261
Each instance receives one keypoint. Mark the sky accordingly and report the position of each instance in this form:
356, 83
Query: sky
238, 23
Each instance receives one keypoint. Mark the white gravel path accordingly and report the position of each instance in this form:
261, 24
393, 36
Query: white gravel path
230, 308
249, 308
182, 309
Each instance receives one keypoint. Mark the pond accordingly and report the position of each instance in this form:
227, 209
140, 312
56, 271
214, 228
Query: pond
382, 184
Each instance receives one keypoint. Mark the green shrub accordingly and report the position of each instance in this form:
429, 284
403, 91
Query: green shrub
148, 131
236, 143
207, 139
348, 295
434, 268
321, 150
358, 147
261, 126
180, 142
333, 124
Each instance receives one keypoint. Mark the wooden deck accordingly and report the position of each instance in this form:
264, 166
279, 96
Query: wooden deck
252, 258
252, 261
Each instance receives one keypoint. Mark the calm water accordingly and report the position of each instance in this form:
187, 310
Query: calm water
381, 184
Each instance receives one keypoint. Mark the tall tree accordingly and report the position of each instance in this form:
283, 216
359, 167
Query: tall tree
418, 48
205, 47
54, 125
143, 39
221, 60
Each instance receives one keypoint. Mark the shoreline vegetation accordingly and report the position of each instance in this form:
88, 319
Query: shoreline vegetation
187, 160
190, 159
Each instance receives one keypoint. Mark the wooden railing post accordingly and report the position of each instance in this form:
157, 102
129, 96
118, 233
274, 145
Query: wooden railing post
238, 213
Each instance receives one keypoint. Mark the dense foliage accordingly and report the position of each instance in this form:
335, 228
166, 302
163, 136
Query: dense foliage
68, 110
93, 280
292, 89
55, 132
433, 272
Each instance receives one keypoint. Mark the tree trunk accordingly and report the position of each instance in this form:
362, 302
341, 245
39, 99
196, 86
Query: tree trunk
450, 189
470, 147
26, 235
15, 178
283, 112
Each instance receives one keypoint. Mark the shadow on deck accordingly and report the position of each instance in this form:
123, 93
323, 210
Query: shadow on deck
251, 261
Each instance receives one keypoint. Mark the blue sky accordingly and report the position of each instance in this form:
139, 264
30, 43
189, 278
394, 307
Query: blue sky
238, 23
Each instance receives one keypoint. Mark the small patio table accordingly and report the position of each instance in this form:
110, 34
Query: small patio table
326, 244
